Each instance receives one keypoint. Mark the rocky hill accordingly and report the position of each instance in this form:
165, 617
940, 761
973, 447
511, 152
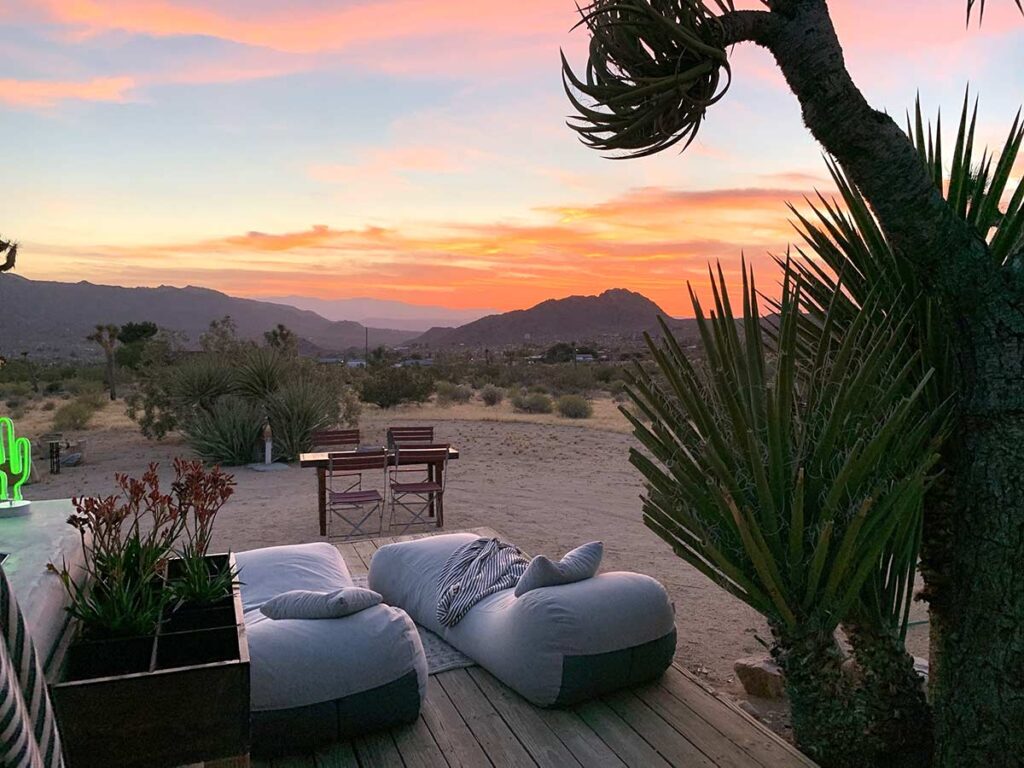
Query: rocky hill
614, 314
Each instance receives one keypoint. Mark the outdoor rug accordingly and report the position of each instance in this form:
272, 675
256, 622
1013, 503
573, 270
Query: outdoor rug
440, 656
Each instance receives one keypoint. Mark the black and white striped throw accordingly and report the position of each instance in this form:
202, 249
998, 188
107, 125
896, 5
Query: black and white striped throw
28, 729
474, 571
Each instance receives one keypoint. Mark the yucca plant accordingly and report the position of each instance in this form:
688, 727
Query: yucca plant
791, 481
261, 371
297, 410
228, 433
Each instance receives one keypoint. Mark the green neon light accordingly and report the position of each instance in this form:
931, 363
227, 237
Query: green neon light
15, 461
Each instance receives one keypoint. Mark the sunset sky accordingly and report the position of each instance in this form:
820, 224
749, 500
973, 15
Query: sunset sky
413, 149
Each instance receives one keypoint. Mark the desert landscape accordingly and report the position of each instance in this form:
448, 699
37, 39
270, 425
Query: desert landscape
546, 484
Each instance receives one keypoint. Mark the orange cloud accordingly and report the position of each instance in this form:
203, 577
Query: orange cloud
652, 240
47, 93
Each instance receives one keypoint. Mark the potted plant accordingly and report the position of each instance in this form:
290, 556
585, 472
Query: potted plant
156, 673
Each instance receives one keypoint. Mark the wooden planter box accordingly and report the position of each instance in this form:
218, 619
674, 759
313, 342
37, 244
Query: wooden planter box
178, 697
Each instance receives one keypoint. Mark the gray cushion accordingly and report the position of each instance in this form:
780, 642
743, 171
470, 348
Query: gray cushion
577, 565
297, 662
304, 604
536, 643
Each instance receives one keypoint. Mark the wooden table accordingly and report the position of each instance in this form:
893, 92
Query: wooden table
320, 460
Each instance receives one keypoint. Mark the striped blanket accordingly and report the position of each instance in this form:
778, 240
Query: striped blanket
473, 572
28, 729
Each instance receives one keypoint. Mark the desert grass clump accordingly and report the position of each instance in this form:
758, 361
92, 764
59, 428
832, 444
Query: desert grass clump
574, 407
228, 432
492, 395
532, 402
296, 410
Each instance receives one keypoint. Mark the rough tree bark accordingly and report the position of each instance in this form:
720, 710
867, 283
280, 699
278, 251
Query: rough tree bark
979, 694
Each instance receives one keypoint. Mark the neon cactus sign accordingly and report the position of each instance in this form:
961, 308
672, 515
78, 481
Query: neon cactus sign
15, 462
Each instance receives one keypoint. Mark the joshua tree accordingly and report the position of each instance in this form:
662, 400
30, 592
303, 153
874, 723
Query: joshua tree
106, 337
655, 67
9, 251
283, 338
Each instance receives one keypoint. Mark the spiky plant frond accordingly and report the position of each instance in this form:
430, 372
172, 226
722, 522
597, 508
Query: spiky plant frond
654, 69
785, 479
981, 8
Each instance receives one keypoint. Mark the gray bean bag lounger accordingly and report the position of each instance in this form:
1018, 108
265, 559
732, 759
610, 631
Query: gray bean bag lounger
318, 681
555, 645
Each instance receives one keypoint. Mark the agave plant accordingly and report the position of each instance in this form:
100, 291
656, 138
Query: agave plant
792, 481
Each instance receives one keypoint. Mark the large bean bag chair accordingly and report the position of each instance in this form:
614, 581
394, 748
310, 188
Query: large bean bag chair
555, 645
316, 681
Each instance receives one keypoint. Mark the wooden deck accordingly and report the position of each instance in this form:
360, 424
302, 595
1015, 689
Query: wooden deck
470, 719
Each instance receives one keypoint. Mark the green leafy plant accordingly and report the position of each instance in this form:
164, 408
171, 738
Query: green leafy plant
199, 494
126, 539
794, 482
574, 407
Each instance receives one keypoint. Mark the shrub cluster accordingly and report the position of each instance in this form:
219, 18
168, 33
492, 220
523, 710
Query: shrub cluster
387, 386
76, 414
574, 407
492, 395
221, 401
532, 402
449, 394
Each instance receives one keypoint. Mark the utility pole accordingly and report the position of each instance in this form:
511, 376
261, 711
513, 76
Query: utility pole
366, 345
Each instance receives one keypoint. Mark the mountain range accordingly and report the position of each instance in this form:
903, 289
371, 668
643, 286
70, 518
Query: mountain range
52, 319
382, 313
615, 314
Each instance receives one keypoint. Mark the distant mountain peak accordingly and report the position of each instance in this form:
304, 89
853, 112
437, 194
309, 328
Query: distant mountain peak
616, 312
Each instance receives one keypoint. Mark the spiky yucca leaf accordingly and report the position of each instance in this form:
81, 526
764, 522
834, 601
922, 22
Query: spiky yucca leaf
783, 479
981, 8
654, 69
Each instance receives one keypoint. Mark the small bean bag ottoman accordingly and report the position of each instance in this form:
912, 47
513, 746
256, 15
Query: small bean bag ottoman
316, 681
554, 645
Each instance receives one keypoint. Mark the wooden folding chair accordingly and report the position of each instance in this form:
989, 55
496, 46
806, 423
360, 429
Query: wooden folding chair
418, 498
347, 500
336, 439
405, 435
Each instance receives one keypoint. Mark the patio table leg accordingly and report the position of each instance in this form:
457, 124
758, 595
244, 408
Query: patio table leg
440, 496
321, 498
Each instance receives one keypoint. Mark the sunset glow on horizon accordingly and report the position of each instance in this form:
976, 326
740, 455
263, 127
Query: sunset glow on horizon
415, 149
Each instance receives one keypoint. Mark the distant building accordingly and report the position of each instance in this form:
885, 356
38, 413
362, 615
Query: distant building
355, 363
584, 358
330, 360
415, 362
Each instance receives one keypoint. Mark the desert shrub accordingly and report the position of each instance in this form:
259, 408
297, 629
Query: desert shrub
388, 387
574, 407
14, 402
351, 406
75, 414
448, 393
53, 387
541, 389
49, 405
228, 433
297, 410
492, 395
532, 402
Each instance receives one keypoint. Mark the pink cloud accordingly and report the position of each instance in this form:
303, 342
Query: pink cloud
47, 93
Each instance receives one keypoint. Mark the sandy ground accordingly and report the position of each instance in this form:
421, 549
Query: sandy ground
547, 483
